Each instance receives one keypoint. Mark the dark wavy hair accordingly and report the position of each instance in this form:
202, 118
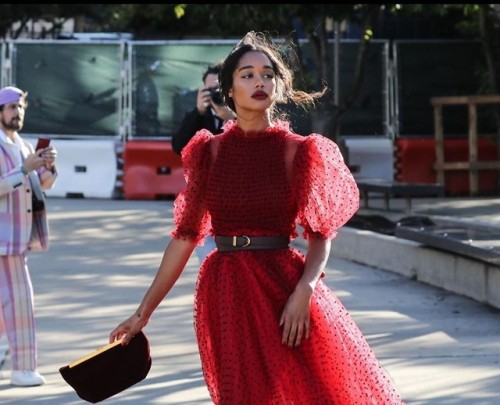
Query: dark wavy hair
262, 42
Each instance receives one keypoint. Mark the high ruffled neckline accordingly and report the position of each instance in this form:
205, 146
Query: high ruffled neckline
279, 127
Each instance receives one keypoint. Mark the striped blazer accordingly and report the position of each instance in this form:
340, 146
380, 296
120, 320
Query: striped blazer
20, 228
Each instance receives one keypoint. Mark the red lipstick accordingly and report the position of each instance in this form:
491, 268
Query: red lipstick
260, 95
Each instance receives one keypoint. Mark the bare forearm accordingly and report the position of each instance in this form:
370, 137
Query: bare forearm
173, 262
295, 318
317, 255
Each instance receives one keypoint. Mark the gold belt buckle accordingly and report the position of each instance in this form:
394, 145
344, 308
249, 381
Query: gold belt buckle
235, 241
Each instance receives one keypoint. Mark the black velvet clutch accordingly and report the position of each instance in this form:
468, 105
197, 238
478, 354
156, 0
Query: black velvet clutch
109, 370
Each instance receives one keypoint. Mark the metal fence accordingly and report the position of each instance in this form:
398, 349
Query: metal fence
141, 89
105, 93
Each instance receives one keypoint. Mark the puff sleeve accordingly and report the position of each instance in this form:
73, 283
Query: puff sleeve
191, 218
328, 195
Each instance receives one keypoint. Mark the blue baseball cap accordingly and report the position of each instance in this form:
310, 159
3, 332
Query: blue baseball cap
11, 94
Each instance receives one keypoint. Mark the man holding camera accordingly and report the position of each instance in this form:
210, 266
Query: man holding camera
210, 111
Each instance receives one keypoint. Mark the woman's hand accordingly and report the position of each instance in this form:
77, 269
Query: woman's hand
295, 318
128, 329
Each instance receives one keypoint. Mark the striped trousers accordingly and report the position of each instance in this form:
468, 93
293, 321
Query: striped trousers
17, 310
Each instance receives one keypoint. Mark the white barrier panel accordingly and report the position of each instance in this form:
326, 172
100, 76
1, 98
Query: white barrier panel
86, 168
373, 156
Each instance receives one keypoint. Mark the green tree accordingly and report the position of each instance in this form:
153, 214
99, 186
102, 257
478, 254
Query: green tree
309, 21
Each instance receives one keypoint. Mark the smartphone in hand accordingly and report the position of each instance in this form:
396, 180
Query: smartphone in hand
42, 143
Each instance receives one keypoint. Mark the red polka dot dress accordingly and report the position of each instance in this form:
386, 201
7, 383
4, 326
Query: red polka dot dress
264, 184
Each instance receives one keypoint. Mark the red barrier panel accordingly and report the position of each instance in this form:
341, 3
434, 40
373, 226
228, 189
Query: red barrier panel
151, 171
415, 159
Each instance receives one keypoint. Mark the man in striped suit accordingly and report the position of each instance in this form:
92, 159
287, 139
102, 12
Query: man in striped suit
24, 174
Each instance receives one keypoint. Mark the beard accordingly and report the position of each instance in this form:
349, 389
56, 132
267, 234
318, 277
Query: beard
14, 125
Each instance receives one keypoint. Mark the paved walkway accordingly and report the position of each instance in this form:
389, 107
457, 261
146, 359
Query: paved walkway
438, 347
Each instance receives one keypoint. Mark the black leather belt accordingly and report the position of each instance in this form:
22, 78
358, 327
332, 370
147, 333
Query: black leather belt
232, 243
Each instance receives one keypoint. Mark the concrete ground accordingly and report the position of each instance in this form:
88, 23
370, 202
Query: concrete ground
438, 347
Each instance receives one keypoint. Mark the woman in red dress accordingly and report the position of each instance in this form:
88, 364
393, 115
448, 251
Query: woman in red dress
269, 330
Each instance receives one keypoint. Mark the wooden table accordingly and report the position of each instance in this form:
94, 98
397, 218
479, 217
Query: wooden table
473, 165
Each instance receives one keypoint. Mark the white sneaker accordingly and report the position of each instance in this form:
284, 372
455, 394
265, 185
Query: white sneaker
23, 378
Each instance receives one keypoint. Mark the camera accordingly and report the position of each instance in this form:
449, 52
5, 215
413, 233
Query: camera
216, 96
